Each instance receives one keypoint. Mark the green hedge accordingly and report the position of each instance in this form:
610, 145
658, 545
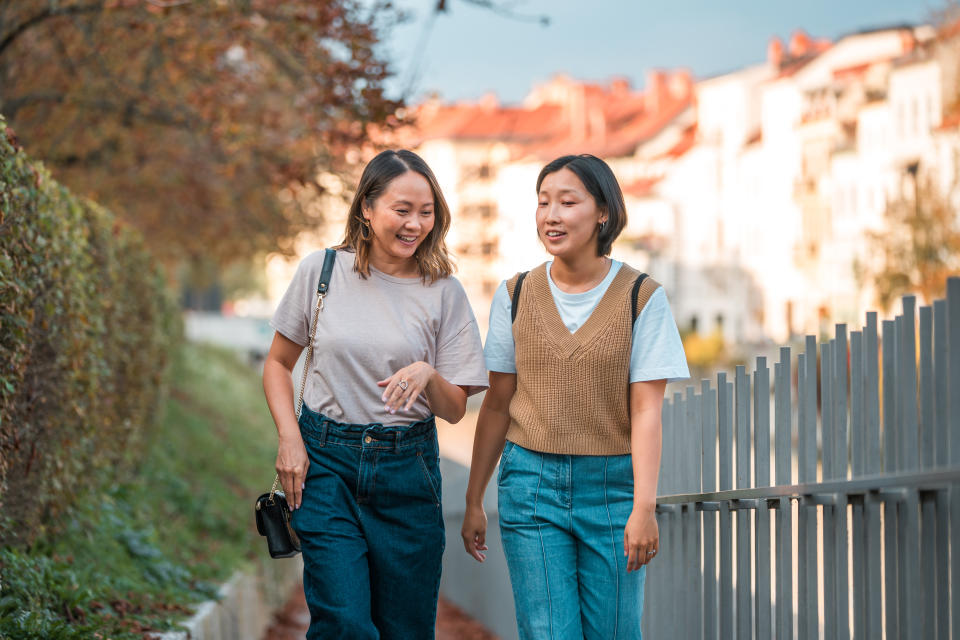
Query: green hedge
85, 325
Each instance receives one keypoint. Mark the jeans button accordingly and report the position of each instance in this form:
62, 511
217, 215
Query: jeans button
368, 439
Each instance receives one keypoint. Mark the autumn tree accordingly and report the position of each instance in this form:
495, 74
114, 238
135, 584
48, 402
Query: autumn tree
918, 248
204, 123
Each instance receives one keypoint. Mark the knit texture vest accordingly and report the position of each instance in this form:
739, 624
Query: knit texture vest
573, 389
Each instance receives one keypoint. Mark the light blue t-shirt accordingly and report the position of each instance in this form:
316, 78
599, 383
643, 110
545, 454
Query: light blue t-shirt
656, 352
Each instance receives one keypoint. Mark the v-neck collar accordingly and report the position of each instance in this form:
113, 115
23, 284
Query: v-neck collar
569, 342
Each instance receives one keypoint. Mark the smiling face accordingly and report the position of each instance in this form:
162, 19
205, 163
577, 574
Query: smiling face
400, 219
568, 217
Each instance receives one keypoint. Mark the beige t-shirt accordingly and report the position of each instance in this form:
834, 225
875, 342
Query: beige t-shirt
369, 329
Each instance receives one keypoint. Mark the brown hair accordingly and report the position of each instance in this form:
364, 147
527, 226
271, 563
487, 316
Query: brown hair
432, 258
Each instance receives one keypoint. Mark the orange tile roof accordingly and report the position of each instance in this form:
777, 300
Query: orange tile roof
605, 121
641, 188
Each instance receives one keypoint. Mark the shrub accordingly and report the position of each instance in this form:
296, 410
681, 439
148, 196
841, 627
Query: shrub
85, 325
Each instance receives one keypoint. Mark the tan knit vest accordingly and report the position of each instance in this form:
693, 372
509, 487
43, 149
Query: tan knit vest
573, 389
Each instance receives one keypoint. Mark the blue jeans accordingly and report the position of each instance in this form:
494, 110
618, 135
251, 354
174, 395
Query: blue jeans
561, 521
371, 529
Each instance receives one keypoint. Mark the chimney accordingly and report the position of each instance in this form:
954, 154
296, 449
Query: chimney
489, 102
800, 44
620, 87
775, 52
655, 91
681, 85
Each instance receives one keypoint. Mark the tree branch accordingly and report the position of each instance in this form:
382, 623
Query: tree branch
51, 12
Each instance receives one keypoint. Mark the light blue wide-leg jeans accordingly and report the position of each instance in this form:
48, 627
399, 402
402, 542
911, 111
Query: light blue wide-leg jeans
561, 520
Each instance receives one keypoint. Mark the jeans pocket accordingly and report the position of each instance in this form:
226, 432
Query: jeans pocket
432, 484
507, 450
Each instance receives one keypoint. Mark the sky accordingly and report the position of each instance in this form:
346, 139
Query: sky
471, 51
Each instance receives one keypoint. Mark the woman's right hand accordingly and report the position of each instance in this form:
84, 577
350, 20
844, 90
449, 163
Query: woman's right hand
474, 532
292, 465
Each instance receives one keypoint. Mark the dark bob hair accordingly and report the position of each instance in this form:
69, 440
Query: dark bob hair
600, 182
432, 258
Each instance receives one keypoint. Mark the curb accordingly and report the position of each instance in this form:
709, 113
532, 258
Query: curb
245, 606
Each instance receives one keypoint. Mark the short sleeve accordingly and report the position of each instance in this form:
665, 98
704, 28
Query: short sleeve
498, 350
657, 351
459, 351
291, 319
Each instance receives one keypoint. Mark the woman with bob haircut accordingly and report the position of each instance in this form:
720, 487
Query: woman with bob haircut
579, 352
396, 344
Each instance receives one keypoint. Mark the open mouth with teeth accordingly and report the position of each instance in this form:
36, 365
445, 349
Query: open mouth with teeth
555, 234
407, 239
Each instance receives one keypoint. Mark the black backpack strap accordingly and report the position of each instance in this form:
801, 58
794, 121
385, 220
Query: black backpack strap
329, 257
633, 295
515, 301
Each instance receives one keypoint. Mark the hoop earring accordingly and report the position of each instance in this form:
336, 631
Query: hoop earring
364, 227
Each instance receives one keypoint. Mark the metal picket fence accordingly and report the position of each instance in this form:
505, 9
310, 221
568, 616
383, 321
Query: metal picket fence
844, 526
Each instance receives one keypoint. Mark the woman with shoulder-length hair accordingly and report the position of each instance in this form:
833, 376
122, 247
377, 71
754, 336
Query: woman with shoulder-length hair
395, 344
579, 352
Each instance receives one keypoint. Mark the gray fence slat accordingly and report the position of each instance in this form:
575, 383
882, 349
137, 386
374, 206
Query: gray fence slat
783, 443
928, 559
725, 415
808, 607
889, 397
874, 583
762, 550
858, 428
841, 568
744, 441
744, 552
926, 422
953, 436
871, 396
940, 351
678, 452
911, 586
859, 577
827, 448
908, 385
891, 568
830, 594
783, 418
810, 409
953, 382
761, 421
784, 575
942, 502
839, 393
725, 411
663, 485
727, 631
708, 415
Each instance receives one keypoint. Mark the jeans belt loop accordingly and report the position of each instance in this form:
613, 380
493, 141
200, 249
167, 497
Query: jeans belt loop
397, 439
323, 431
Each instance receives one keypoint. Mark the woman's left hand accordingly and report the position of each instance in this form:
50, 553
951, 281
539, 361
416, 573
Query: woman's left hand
403, 387
641, 538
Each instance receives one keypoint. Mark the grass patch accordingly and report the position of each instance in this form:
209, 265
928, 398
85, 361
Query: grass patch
130, 560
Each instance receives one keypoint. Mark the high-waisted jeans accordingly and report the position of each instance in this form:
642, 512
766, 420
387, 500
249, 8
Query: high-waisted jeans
371, 529
561, 520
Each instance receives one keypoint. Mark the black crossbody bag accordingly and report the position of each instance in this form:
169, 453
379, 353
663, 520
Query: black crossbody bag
271, 509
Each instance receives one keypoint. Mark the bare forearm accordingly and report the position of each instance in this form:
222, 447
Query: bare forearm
491, 435
645, 442
446, 400
278, 388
